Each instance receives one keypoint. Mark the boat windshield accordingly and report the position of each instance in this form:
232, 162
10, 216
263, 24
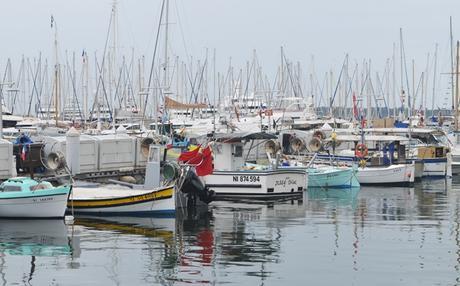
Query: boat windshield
6, 188
442, 139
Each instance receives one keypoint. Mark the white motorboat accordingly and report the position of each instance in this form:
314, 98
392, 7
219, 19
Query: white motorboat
397, 175
26, 198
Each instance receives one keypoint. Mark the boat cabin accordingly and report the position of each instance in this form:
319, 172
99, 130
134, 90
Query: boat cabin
228, 149
382, 149
23, 184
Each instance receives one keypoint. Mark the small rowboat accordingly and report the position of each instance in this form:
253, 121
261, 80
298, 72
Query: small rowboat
118, 200
332, 177
26, 198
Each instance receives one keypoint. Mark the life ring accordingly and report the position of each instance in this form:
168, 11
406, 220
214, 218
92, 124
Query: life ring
361, 150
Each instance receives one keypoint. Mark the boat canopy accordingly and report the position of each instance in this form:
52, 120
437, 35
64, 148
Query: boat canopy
173, 104
241, 136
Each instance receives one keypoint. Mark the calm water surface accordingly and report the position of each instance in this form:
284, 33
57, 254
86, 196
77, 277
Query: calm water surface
377, 236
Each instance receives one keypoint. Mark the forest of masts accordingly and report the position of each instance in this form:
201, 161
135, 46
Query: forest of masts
85, 87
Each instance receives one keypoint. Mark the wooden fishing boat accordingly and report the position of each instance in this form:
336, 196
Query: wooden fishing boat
26, 198
332, 177
127, 199
118, 200
394, 175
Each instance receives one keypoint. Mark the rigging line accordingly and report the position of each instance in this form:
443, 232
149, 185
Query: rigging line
34, 86
130, 82
117, 87
125, 89
199, 85
351, 80
338, 81
380, 90
104, 90
194, 91
322, 90
18, 82
153, 62
181, 31
290, 75
372, 90
172, 75
272, 91
72, 76
100, 79
42, 82
417, 89
245, 95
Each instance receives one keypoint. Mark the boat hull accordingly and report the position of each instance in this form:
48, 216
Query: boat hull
438, 168
45, 206
395, 175
338, 178
260, 185
159, 202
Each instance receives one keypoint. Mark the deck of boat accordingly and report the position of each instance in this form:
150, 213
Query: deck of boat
106, 192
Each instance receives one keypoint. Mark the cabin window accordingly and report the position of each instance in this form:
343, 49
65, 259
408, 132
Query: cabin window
41, 186
238, 151
4, 188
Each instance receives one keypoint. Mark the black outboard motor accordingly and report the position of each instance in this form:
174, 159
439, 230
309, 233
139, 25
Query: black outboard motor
193, 187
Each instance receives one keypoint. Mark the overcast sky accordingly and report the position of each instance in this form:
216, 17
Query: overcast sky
327, 29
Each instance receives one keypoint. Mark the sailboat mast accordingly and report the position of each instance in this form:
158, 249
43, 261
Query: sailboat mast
452, 64
56, 72
456, 87
165, 68
402, 68
434, 78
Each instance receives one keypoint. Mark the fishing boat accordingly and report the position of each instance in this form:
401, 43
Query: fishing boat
127, 199
394, 175
335, 177
27, 198
384, 162
119, 200
428, 146
235, 178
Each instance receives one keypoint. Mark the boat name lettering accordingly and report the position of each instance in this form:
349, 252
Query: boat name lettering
285, 182
42, 199
143, 197
245, 178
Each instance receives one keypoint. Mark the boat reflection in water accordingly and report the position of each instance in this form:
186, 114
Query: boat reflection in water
402, 230
26, 243
34, 237
337, 197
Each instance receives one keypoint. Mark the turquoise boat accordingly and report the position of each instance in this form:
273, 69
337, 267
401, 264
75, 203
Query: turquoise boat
23, 197
332, 177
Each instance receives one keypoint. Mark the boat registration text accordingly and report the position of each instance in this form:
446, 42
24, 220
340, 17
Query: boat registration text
246, 178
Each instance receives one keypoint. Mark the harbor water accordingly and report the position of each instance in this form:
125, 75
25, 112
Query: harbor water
377, 236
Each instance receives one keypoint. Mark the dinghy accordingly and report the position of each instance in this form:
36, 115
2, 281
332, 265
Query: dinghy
27, 198
332, 177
